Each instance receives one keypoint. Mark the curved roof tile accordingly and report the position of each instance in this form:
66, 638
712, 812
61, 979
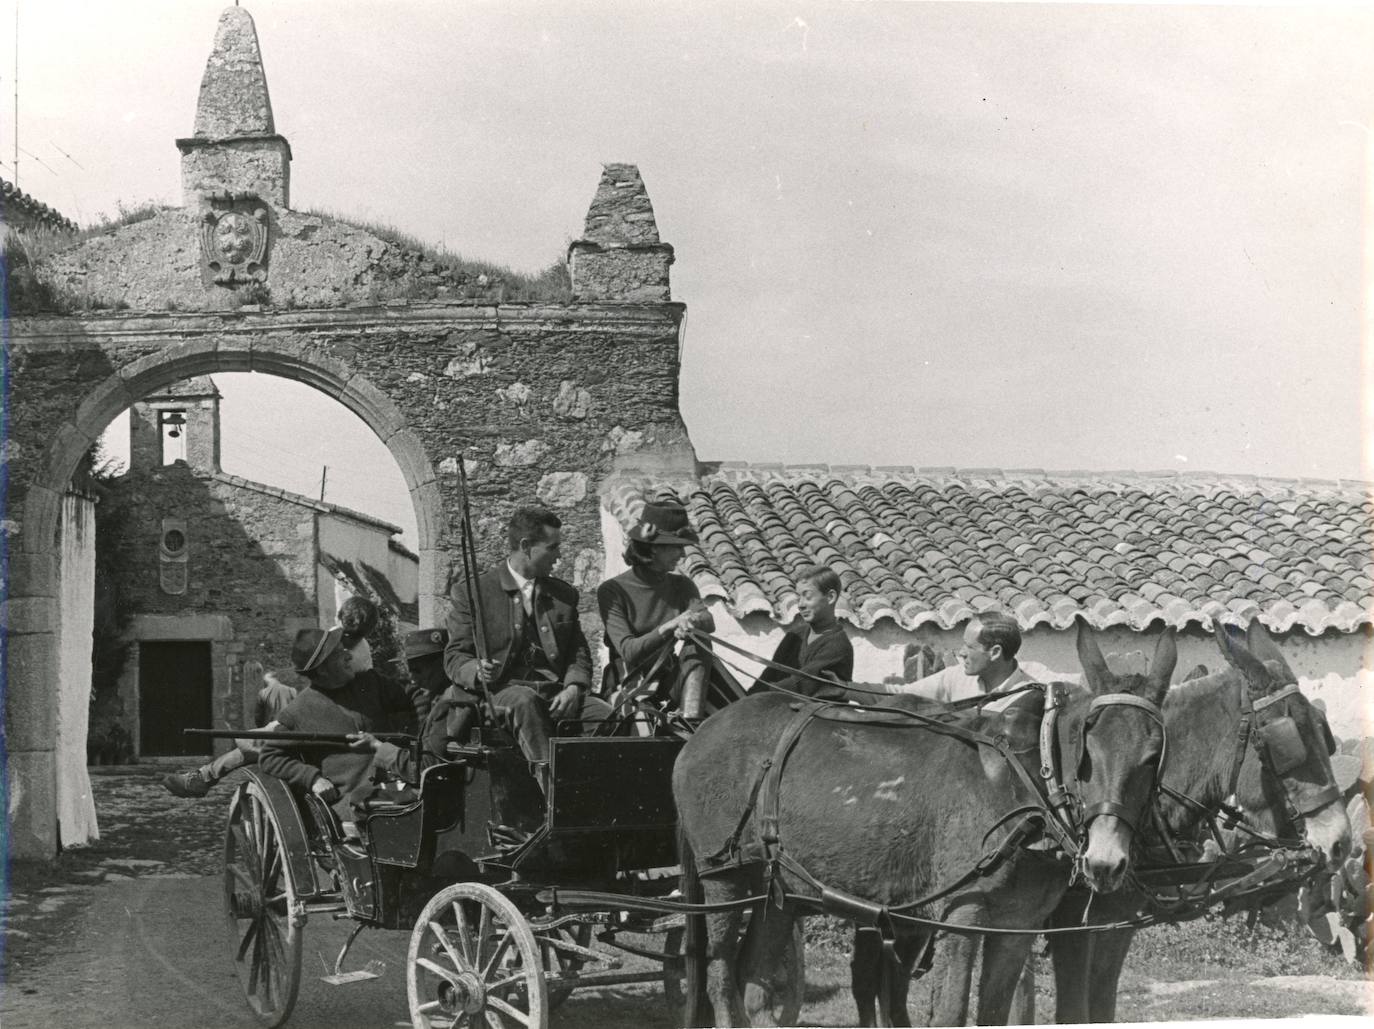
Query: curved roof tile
937, 545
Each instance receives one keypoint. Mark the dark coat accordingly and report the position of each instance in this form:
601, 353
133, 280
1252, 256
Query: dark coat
555, 615
830, 654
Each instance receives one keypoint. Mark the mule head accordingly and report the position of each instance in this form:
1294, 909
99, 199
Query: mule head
1285, 783
1123, 749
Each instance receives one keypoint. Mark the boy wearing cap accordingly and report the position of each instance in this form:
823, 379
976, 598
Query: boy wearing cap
538, 666
336, 702
647, 608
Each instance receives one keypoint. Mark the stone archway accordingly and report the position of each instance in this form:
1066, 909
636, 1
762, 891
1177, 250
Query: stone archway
34, 608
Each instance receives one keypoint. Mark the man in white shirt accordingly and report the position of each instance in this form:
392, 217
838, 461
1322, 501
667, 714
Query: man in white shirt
987, 665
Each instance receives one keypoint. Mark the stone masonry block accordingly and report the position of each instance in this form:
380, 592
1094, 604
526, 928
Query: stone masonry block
42, 507
30, 696
29, 614
432, 580
65, 447
32, 575
292, 360
372, 406
102, 404
410, 454
429, 513
194, 357
32, 814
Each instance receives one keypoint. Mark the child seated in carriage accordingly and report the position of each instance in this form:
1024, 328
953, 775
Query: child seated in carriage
818, 647
338, 702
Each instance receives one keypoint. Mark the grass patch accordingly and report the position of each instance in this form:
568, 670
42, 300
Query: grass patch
22, 252
423, 268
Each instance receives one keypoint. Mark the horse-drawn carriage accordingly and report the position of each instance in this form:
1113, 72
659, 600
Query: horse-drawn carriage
491, 942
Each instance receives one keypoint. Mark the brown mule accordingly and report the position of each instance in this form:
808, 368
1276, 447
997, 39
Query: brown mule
888, 814
1284, 771
956, 955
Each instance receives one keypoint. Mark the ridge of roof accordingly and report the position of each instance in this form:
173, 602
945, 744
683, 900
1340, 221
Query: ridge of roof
1129, 550
322, 506
732, 470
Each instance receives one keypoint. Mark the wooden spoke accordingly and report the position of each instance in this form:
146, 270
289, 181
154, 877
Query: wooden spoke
260, 902
508, 1010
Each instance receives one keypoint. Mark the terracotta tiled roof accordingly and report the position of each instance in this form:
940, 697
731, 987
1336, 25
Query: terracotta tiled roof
940, 545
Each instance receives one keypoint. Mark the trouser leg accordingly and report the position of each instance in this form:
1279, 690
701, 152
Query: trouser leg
526, 715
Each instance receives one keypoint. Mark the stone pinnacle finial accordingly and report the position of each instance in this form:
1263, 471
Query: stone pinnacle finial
233, 91
235, 147
620, 257
620, 211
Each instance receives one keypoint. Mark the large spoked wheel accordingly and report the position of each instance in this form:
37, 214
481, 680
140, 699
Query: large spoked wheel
475, 961
265, 927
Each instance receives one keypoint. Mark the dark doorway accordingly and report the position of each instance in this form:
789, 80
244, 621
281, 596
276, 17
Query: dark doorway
174, 693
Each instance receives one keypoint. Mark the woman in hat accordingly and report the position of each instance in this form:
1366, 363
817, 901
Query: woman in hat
649, 607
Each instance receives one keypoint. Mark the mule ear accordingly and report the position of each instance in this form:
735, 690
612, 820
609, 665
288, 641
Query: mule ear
1262, 645
1252, 671
1095, 671
1163, 662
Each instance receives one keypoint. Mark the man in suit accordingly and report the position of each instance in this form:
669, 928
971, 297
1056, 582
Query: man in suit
538, 666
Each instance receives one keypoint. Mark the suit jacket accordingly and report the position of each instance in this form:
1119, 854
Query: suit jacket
555, 616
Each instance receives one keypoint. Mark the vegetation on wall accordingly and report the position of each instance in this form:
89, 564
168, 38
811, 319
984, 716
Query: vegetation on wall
423, 272
108, 740
22, 253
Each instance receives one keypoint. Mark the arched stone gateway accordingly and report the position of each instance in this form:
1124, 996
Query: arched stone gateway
543, 397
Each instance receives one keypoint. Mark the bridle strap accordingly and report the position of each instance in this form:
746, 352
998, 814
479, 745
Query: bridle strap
1263, 702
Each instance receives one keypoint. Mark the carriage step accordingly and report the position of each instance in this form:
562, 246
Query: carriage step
372, 970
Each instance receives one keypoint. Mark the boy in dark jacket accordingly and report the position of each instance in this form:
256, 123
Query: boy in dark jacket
337, 702
817, 647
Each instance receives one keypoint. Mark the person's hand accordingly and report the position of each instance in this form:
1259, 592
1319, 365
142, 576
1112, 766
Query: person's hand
677, 626
566, 704
364, 742
325, 790
486, 671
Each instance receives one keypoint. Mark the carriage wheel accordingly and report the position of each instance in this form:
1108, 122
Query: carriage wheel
265, 927
475, 961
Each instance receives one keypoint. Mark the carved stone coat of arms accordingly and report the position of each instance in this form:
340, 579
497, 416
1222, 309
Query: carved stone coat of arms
233, 239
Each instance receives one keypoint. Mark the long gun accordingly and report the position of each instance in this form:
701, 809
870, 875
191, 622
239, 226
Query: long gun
467, 546
315, 738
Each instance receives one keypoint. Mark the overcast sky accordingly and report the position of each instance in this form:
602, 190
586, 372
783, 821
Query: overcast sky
935, 234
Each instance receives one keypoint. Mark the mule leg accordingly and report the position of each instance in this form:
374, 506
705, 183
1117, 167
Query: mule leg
1104, 973
1023, 999
908, 949
1072, 954
722, 943
770, 927
1004, 960
958, 952
864, 974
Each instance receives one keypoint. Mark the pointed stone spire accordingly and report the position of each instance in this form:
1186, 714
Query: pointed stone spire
235, 146
620, 256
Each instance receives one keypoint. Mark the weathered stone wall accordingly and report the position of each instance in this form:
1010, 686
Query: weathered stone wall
541, 400
251, 559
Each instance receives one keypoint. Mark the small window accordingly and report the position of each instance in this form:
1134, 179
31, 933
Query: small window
171, 427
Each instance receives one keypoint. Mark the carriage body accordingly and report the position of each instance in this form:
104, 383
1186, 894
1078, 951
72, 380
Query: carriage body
608, 823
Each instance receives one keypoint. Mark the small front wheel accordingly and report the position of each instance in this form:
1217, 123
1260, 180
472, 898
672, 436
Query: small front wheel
475, 961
